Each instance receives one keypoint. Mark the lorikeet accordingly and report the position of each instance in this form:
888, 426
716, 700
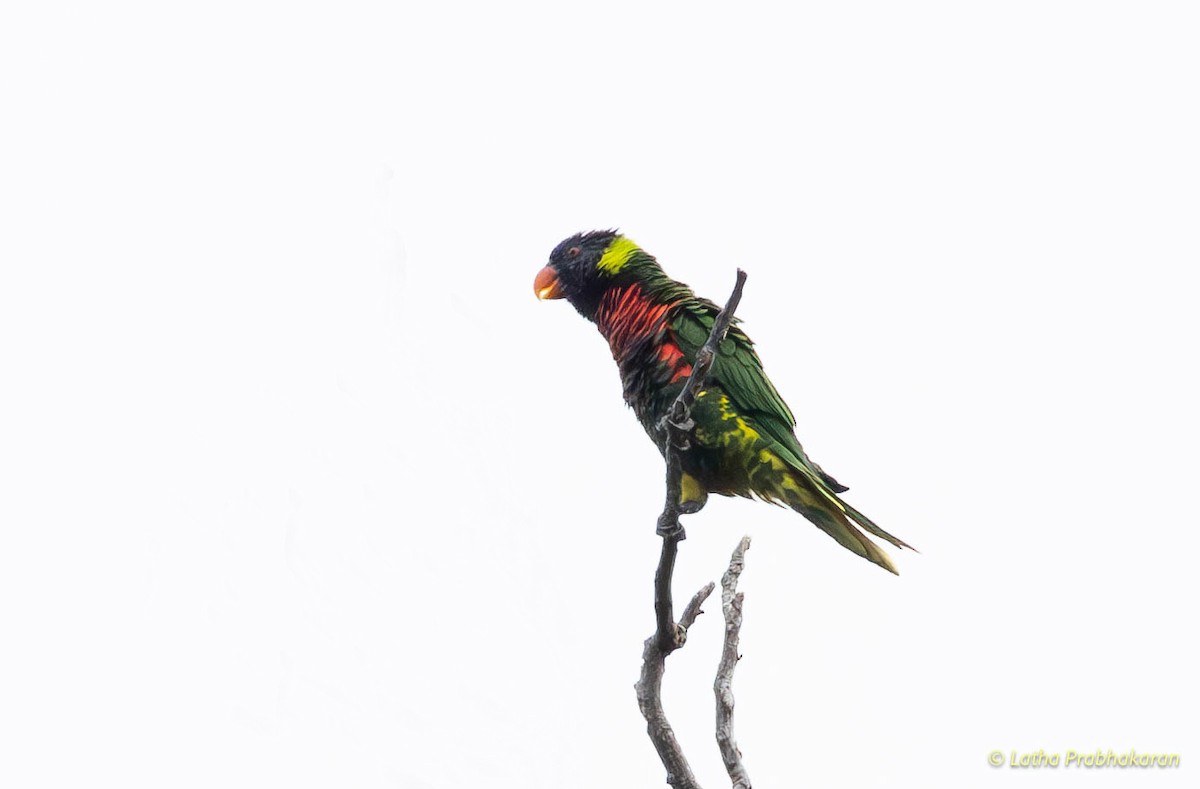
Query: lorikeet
744, 441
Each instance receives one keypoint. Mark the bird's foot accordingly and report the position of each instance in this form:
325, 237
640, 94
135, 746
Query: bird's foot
671, 529
679, 433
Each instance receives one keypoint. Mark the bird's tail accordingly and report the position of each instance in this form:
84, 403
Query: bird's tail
811, 497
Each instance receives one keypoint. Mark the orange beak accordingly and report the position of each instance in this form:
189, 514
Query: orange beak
546, 284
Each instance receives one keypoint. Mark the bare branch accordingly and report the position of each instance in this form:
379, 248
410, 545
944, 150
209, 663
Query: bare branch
669, 635
649, 695
682, 406
731, 605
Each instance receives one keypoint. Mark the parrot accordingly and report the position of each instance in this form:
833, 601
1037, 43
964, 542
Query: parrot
743, 442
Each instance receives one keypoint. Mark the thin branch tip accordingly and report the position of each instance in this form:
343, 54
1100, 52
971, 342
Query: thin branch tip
693, 610
731, 606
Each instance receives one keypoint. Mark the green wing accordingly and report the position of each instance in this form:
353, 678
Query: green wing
740, 373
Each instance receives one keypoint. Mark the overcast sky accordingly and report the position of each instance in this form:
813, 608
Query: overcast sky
301, 486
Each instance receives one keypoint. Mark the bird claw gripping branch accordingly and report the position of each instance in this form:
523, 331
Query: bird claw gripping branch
679, 433
670, 527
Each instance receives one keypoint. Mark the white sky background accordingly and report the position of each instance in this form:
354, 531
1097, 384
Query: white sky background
302, 487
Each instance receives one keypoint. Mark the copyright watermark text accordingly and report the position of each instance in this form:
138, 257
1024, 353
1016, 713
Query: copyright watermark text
1101, 758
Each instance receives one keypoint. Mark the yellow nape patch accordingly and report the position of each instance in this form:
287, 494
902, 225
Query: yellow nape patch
616, 255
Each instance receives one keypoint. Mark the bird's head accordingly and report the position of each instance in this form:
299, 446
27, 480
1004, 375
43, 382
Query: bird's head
584, 266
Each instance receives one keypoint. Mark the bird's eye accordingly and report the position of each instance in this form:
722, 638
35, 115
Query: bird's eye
573, 252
